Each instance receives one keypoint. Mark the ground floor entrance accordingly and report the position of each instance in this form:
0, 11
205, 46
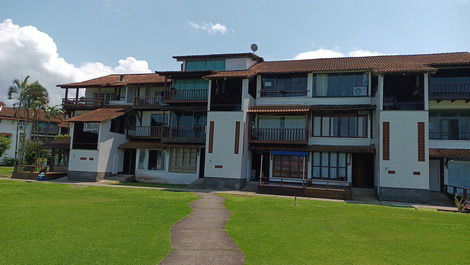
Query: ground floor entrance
129, 161
362, 170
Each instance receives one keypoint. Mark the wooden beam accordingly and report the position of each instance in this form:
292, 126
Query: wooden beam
76, 93
66, 92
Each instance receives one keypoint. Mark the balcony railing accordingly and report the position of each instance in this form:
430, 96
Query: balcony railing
449, 135
83, 103
170, 134
186, 95
281, 135
149, 101
450, 91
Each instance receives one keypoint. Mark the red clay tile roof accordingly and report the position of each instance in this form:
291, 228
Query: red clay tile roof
99, 115
8, 113
377, 64
114, 80
219, 55
449, 153
306, 108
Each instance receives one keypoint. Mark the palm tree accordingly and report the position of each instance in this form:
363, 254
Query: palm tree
31, 98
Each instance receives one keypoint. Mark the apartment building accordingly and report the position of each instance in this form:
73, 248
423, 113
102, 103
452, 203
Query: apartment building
396, 124
16, 125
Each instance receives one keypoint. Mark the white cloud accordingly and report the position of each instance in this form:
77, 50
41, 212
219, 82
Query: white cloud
28, 51
209, 27
327, 53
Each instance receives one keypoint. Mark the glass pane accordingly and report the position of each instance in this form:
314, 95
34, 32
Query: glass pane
294, 122
324, 159
334, 126
326, 126
316, 172
344, 126
333, 172
316, 159
352, 126
333, 158
324, 172
342, 159
317, 126
342, 173
362, 127
142, 159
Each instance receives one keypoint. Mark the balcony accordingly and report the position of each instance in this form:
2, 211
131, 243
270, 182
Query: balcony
449, 135
189, 134
279, 135
149, 102
450, 91
83, 103
186, 95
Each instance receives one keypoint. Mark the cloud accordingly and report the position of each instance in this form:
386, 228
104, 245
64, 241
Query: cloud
327, 53
29, 51
209, 27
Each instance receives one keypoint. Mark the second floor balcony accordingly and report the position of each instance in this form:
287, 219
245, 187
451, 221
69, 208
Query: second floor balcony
172, 96
180, 134
449, 91
98, 101
279, 135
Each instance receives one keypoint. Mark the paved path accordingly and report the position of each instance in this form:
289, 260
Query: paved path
200, 238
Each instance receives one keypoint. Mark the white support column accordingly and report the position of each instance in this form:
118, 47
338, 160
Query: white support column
380, 91
426, 91
258, 86
310, 85
209, 96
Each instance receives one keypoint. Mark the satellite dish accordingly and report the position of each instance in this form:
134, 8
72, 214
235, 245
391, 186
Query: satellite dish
254, 47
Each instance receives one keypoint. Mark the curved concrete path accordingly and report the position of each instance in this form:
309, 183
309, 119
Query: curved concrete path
200, 238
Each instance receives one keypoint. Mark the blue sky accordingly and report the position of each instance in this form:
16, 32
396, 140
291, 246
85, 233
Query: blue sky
106, 31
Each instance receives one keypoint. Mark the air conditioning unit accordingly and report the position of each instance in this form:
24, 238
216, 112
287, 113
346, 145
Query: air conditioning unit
360, 91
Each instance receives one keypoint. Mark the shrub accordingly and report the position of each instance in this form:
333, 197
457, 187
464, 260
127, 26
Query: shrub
4, 144
463, 206
8, 161
34, 151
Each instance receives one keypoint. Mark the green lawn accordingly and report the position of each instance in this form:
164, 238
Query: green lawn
273, 231
6, 171
156, 185
47, 223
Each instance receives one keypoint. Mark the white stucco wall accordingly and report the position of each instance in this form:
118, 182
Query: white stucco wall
224, 140
404, 151
110, 159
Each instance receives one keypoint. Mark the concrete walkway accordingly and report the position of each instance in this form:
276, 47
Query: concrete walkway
200, 238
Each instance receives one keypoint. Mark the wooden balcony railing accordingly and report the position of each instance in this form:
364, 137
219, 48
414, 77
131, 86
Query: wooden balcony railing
170, 134
450, 91
83, 103
186, 95
279, 135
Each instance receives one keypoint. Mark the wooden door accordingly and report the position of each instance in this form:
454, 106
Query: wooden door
362, 170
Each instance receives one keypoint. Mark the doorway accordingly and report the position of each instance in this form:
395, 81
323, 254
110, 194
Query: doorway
362, 170
256, 165
129, 161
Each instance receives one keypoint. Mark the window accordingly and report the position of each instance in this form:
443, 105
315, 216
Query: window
289, 166
226, 95
340, 125
281, 122
183, 160
159, 119
142, 156
156, 160
341, 85
329, 166
205, 65
449, 125
284, 86
85, 135
117, 125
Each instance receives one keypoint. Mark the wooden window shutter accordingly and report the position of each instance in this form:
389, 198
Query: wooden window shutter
386, 140
421, 156
237, 138
211, 137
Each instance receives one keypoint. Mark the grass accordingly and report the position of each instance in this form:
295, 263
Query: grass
155, 185
273, 231
6, 171
47, 223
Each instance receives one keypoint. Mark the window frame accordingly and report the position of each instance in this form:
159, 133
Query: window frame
321, 165
175, 166
326, 77
338, 117
160, 155
300, 170
277, 92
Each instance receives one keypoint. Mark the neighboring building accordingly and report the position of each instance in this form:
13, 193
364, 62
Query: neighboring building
399, 124
13, 123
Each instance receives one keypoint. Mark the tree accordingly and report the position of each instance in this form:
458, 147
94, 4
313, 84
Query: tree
4, 144
31, 98
54, 112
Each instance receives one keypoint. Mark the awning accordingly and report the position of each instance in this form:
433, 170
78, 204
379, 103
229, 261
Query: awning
288, 153
99, 115
279, 108
449, 153
155, 145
